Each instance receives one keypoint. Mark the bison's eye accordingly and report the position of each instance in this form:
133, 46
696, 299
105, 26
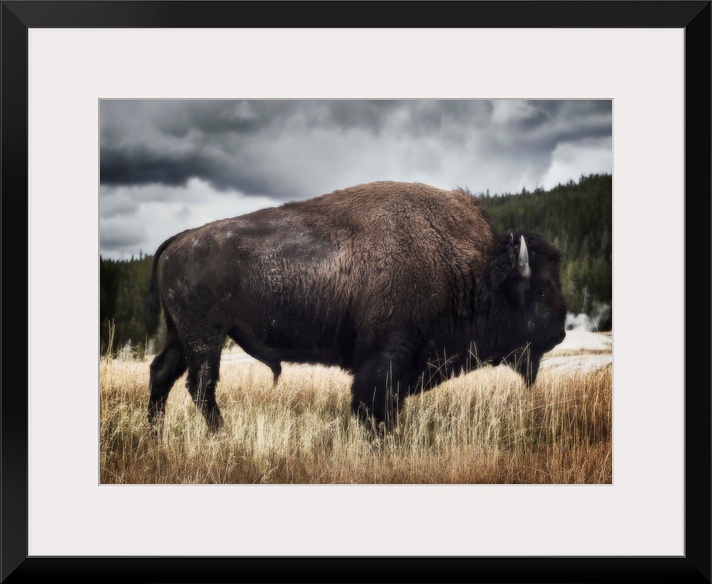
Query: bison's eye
541, 292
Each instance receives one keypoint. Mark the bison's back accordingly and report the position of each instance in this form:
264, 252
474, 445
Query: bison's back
413, 251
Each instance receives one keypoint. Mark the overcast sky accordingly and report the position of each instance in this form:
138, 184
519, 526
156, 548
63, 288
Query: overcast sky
167, 165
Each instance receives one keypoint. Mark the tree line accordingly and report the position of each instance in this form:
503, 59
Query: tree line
576, 217
123, 285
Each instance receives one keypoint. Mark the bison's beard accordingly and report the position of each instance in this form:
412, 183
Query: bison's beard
527, 365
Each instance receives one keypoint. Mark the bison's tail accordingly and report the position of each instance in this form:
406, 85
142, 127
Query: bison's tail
153, 300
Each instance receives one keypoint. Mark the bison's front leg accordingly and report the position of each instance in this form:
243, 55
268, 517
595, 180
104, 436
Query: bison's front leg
381, 382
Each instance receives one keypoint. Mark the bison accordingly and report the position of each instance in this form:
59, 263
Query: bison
401, 284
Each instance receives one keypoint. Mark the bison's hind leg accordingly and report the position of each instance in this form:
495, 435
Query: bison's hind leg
168, 366
203, 374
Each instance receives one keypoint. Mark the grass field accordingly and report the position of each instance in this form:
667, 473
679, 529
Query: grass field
483, 427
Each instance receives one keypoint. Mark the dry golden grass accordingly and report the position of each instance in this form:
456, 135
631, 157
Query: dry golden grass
484, 427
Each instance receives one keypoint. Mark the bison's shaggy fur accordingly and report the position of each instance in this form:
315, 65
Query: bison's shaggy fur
402, 284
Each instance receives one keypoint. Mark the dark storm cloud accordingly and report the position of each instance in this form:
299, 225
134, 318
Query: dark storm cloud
236, 145
169, 142
142, 165
368, 115
169, 165
528, 133
544, 124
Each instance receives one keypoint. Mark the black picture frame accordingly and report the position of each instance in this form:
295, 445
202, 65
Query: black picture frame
19, 16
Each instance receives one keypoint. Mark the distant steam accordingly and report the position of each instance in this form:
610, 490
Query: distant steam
599, 320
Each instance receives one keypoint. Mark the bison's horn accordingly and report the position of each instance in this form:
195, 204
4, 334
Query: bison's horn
523, 261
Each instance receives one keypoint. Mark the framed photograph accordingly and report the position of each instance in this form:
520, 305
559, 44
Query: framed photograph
125, 123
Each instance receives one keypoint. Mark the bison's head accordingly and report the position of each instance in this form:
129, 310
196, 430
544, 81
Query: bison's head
526, 287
